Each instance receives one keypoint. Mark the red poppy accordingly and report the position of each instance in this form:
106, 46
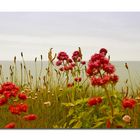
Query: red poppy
3, 101
10, 125
94, 101
22, 96
30, 117
15, 109
7, 94
23, 107
128, 103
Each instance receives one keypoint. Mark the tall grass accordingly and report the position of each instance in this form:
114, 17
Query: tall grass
60, 106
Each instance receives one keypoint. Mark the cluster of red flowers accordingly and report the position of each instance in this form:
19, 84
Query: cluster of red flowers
128, 103
29, 117
94, 101
68, 63
65, 62
22, 96
76, 56
9, 90
18, 108
62, 56
100, 70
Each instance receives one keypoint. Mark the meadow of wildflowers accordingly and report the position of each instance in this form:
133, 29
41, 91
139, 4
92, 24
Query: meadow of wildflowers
73, 93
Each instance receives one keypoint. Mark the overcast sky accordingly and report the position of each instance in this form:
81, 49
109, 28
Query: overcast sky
35, 33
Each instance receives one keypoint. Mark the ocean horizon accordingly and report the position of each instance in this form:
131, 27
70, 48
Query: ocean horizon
121, 71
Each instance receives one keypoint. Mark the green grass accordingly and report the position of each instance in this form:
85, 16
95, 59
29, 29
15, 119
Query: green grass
58, 106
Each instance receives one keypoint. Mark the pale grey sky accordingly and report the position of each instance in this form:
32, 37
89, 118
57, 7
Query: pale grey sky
34, 33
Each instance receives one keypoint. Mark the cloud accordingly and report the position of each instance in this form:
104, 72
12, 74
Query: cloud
35, 33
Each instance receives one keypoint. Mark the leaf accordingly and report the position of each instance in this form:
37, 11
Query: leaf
116, 111
72, 121
77, 125
82, 114
68, 104
98, 124
65, 124
71, 111
81, 101
101, 119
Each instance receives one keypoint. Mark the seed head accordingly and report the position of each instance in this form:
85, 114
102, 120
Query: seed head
126, 65
21, 54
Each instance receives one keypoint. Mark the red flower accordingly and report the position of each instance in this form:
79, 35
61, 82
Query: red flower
1, 91
18, 108
66, 68
94, 65
70, 85
95, 57
94, 101
78, 79
114, 78
30, 117
99, 100
62, 56
9, 89
109, 68
8, 86
22, 96
99, 69
89, 71
23, 107
15, 109
70, 60
15, 91
108, 124
97, 81
73, 64
61, 69
104, 60
10, 125
7, 94
3, 101
106, 79
76, 55
103, 50
70, 67
128, 103
83, 62
58, 63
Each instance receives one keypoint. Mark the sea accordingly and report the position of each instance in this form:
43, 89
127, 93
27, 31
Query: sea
130, 74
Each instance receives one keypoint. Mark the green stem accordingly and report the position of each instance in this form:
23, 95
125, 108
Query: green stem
110, 102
